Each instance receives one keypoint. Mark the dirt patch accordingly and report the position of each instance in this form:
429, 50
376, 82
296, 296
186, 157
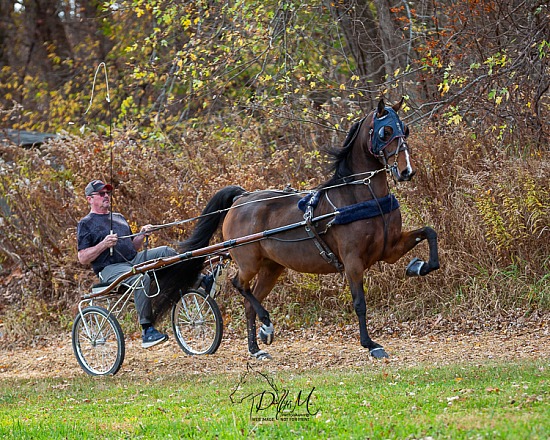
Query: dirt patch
322, 347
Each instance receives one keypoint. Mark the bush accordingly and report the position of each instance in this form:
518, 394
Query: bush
490, 208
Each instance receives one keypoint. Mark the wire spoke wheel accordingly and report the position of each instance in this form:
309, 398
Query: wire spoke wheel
197, 323
98, 341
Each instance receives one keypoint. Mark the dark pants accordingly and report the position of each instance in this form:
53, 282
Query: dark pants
141, 298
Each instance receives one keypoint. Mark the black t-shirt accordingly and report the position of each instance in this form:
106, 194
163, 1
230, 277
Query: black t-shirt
93, 228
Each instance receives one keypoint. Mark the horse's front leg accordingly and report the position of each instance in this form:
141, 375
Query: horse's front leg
358, 295
408, 241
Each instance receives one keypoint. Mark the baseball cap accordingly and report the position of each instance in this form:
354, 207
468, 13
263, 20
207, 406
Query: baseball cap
96, 186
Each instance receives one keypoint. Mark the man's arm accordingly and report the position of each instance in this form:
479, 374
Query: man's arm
86, 256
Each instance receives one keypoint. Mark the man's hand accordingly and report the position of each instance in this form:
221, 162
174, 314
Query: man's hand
146, 230
110, 240
138, 240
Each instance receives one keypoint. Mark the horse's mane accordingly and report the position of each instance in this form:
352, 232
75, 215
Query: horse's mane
339, 157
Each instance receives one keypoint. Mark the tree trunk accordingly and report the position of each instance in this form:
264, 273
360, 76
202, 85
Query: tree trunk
361, 32
394, 45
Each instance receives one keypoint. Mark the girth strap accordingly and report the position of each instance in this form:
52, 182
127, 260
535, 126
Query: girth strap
324, 249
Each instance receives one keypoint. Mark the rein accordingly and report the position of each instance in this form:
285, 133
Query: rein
364, 181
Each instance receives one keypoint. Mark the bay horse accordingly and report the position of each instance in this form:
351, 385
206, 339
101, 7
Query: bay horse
346, 224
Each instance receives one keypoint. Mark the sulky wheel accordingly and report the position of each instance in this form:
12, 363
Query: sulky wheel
98, 341
197, 323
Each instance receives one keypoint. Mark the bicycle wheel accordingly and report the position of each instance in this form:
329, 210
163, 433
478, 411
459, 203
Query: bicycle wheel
98, 341
197, 323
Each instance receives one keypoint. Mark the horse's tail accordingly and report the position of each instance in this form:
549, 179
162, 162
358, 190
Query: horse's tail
182, 275
211, 218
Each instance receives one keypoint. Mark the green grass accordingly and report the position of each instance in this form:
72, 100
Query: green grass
496, 401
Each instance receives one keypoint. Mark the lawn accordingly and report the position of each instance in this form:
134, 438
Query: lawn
491, 400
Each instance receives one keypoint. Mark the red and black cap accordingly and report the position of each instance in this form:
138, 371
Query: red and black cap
96, 186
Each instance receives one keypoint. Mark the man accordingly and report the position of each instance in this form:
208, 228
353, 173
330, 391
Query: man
110, 256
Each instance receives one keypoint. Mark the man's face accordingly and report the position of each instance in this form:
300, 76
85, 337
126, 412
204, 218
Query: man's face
100, 201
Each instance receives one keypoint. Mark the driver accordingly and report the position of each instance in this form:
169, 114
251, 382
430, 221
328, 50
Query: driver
110, 257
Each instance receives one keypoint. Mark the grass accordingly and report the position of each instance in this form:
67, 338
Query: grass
496, 400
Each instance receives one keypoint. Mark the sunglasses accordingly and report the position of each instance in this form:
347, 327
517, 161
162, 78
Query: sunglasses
102, 194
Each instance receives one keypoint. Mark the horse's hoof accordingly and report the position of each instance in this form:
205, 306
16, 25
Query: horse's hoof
414, 268
378, 353
261, 355
266, 333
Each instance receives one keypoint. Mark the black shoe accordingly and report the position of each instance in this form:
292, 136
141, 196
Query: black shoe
151, 337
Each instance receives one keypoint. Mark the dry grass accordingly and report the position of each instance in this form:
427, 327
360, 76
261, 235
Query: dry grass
490, 208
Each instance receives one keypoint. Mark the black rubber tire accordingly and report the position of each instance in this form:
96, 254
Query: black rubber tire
197, 323
99, 344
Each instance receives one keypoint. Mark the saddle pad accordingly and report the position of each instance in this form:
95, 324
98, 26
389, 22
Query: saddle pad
357, 211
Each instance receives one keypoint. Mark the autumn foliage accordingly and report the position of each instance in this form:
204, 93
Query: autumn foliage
206, 94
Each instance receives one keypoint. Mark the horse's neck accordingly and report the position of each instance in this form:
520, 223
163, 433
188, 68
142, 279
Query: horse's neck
375, 186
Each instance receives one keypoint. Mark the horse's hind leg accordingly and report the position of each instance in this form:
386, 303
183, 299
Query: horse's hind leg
265, 282
252, 307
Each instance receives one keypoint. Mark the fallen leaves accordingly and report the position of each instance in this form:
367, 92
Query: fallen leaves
320, 347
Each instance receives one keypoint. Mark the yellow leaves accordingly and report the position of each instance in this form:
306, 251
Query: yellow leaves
514, 211
455, 119
342, 87
443, 87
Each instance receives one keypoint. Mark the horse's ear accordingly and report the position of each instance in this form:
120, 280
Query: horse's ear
380, 109
397, 106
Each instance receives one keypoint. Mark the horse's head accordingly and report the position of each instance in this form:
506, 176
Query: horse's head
388, 136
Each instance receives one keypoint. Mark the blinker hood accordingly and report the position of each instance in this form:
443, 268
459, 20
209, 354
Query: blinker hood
390, 119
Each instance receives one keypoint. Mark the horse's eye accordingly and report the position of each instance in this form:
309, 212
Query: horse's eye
384, 133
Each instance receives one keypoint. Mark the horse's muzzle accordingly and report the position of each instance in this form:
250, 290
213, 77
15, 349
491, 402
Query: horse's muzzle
403, 176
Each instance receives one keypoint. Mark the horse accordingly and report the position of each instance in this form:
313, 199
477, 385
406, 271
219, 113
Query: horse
346, 224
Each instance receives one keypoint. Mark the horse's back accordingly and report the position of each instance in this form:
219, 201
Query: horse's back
261, 210
266, 211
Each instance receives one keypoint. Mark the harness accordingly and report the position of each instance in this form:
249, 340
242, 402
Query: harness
363, 210
311, 230
342, 216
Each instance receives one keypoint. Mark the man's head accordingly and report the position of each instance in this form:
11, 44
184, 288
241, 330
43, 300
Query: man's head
96, 186
98, 195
